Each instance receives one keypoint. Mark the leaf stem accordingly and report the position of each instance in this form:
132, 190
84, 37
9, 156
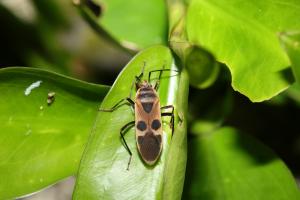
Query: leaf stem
177, 33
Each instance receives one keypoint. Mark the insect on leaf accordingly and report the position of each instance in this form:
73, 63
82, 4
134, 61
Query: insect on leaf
103, 171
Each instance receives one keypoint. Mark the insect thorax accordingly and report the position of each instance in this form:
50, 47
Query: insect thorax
146, 93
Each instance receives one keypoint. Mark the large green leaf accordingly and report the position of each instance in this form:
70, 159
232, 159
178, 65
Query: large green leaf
226, 164
200, 64
244, 35
102, 172
134, 24
40, 143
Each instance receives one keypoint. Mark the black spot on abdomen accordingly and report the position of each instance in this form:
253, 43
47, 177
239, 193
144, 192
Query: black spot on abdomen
149, 146
147, 106
155, 124
141, 125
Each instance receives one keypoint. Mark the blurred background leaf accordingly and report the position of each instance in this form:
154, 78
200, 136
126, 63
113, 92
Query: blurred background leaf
245, 39
226, 164
52, 35
40, 143
133, 24
291, 43
202, 67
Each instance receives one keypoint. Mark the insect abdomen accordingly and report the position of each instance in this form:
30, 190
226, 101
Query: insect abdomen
150, 145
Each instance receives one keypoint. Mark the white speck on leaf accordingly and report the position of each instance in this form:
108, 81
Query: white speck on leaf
227, 180
28, 132
31, 87
10, 120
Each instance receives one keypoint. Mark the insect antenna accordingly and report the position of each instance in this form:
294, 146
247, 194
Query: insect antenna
159, 76
138, 78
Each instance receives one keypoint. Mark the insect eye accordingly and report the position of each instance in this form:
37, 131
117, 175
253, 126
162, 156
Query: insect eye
141, 125
155, 124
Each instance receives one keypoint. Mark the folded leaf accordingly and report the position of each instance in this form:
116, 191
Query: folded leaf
103, 170
291, 43
244, 36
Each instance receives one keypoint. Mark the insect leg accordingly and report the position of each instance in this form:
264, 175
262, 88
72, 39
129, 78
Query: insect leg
168, 106
118, 104
128, 99
124, 130
169, 114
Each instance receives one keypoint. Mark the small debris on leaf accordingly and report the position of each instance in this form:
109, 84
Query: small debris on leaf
51, 98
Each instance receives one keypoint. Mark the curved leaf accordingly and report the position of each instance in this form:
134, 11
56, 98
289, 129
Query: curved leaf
228, 165
243, 35
133, 24
40, 143
291, 43
202, 67
175, 168
200, 64
102, 172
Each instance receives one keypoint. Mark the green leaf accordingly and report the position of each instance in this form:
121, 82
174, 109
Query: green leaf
133, 24
294, 93
201, 66
102, 172
41, 144
244, 36
175, 168
226, 164
291, 43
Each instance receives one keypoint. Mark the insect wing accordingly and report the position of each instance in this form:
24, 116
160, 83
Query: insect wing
148, 130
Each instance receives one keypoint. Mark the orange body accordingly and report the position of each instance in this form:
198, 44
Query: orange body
148, 123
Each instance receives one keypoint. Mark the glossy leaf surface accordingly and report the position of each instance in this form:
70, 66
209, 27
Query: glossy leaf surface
226, 164
244, 36
102, 173
41, 144
133, 24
